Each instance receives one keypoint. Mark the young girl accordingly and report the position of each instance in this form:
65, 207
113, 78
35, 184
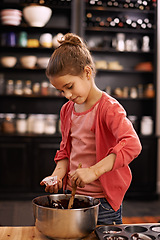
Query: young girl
95, 132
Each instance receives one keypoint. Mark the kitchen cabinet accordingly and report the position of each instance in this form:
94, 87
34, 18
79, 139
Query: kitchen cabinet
115, 35
15, 165
45, 150
25, 161
144, 171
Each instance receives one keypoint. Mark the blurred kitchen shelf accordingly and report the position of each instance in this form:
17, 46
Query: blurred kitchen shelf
26, 49
121, 30
24, 27
111, 50
115, 9
34, 135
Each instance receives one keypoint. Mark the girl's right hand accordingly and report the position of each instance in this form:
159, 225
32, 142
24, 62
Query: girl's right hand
52, 185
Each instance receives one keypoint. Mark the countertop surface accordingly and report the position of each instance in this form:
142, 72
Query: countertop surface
28, 233
31, 232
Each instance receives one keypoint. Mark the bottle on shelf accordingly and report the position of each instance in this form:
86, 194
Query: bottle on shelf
120, 42
21, 123
149, 91
18, 89
28, 87
8, 125
10, 87
146, 125
50, 124
145, 44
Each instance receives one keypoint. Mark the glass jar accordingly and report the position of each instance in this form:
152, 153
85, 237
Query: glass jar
9, 123
149, 91
44, 88
21, 123
147, 125
146, 44
30, 123
120, 42
10, 87
18, 89
133, 92
28, 88
22, 40
125, 92
39, 124
36, 88
50, 123
140, 90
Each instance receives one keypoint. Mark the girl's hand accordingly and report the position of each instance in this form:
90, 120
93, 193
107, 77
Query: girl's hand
82, 176
53, 184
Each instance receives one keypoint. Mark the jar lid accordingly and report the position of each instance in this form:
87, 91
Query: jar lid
10, 115
40, 116
19, 81
2, 115
132, 117
44, 84
146, 117
21, 115
52, 116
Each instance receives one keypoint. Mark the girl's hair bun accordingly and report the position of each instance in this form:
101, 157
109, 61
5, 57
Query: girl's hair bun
70, 57
72, 39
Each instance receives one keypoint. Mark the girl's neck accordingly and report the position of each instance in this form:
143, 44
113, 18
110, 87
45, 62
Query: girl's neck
94, 96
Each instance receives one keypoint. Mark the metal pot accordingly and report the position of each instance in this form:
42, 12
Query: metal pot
65, 223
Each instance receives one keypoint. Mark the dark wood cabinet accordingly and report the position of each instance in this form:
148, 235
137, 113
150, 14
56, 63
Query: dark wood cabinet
24, 162
15, 165
144, 171
45, 150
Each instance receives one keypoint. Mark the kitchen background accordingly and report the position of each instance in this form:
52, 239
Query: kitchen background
123, 38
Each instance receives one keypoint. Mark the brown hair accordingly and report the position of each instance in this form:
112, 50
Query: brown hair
70, 57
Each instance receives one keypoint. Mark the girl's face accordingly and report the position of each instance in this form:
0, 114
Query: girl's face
74, 88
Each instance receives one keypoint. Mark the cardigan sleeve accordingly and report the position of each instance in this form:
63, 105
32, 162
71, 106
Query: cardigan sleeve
64, 151
127, 144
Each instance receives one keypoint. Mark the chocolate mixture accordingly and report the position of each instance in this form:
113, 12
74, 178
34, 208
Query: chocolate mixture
63, 203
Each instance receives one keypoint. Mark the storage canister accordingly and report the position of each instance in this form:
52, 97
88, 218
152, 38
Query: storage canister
146, 125
10, 87
8, 125
21, 123
50, 123
18, 89
39, 124
30, 123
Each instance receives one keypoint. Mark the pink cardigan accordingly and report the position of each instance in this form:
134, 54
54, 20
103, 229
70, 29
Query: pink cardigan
114, 133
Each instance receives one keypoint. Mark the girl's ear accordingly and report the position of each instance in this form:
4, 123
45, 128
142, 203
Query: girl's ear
88, 72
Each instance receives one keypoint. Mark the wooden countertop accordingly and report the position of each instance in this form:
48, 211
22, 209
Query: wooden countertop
28, 233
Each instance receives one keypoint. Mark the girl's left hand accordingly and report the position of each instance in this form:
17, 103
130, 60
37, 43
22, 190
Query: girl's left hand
82, 176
